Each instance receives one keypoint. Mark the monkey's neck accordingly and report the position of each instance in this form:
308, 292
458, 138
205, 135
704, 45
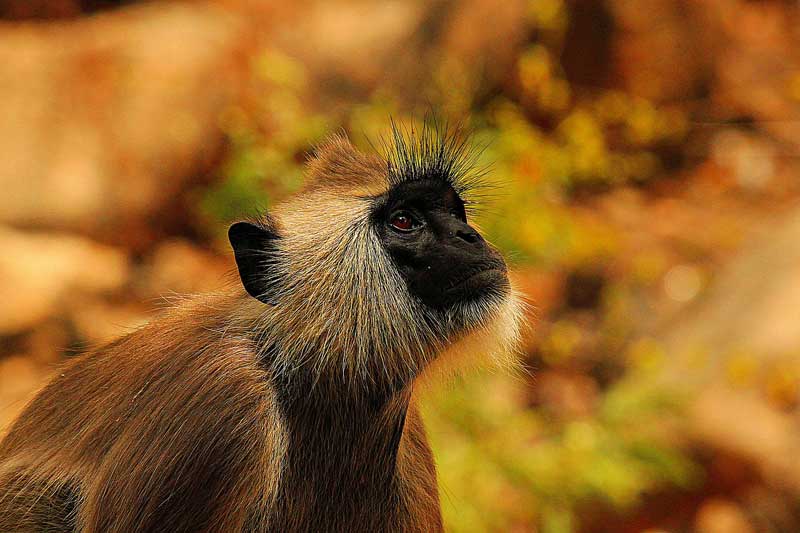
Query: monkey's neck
341, 447
334, 430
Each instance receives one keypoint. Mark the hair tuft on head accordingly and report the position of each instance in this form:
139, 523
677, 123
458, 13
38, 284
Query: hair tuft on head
436, 152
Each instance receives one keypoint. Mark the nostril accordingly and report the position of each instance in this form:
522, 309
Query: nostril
469, 236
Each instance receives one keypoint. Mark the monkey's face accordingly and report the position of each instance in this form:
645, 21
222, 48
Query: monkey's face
373, 269
444, 261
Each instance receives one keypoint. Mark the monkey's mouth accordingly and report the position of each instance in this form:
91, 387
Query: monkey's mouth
479, 283
464, 283
483, 275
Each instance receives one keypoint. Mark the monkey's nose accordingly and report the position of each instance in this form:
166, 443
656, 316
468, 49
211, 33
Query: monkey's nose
469, 235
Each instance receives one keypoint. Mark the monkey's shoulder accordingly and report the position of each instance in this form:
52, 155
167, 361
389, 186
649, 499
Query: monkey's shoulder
174, 412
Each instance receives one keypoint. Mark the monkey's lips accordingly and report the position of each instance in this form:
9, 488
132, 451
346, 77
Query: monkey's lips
479, 283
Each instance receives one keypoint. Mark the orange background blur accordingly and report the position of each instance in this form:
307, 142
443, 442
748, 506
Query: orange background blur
646, 157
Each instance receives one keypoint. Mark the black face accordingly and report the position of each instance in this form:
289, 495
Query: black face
444, 261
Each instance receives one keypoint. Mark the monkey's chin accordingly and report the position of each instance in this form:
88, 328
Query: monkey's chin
486, 284
480, 299
485, 333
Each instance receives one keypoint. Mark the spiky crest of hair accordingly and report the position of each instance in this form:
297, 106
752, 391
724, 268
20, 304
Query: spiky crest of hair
436, 152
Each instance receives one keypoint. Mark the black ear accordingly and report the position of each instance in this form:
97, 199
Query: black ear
254, 247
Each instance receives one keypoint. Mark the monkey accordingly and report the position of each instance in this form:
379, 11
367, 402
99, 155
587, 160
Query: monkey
289, 401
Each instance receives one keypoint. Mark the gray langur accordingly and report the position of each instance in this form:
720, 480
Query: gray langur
288, 402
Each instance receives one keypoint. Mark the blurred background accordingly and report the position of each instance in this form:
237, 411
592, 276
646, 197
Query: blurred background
648, 161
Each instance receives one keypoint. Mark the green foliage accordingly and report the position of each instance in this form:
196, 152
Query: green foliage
502, 465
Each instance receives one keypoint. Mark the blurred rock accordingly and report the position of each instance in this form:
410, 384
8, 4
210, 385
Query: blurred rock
97, 129
751, 308
38, 271
352, 40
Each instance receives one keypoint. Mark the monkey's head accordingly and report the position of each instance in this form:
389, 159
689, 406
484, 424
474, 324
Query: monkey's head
373, 269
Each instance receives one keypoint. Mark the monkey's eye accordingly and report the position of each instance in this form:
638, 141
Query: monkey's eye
404, 221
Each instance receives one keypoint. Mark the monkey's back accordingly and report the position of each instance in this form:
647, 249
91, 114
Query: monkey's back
173, 428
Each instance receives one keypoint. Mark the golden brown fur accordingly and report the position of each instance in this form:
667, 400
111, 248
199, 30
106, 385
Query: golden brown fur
230, 415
